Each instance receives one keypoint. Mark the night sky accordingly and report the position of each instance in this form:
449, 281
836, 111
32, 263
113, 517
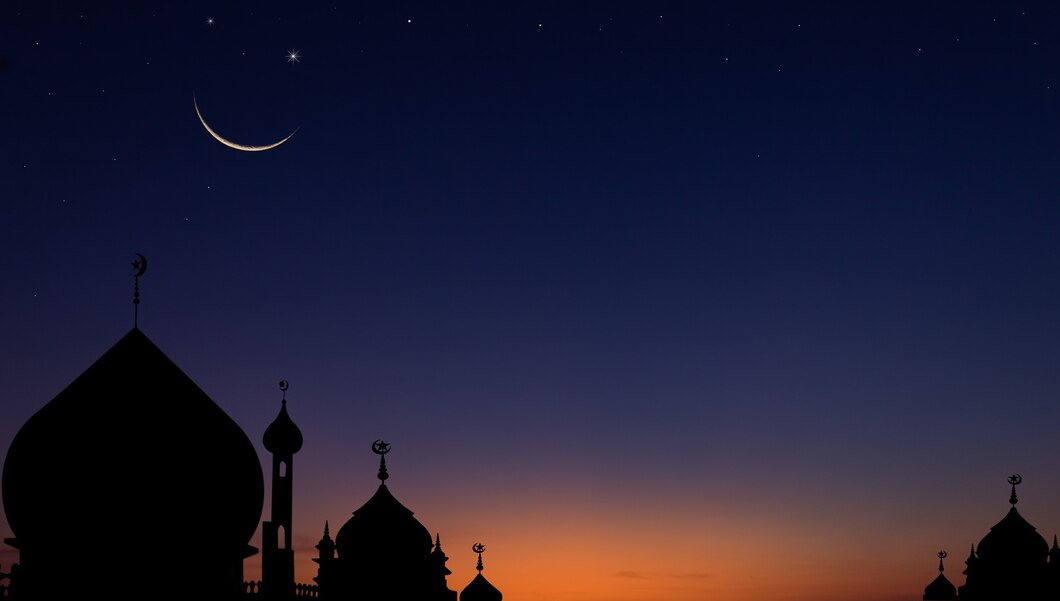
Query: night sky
678, 300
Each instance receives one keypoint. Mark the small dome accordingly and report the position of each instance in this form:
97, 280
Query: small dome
282, 437
480, 589
1013, 540
382, 527
940, 589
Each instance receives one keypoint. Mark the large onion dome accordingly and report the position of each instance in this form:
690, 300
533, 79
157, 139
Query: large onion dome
383, 527
136, 463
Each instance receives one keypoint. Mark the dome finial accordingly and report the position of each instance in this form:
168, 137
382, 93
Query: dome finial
941, 555
1014, 479
381, 448
283, 388
139, 266
478, 548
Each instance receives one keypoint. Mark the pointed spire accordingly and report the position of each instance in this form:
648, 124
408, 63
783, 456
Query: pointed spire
941, 555
478, 548
1014, 479
326, 546
139, 266
437, 541
381, 448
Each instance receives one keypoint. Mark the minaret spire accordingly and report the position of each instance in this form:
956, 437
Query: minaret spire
941, 556
1014, 479
139, 266
478, 548
381, 448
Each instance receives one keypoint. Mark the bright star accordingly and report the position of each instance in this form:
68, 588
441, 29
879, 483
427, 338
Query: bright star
293, 56
209, 20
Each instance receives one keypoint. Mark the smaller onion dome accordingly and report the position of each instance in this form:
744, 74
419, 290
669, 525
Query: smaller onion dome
940, 589
480, 589
283, 437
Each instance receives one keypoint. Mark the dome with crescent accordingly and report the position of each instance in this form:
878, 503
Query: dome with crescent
383, 526
282, 437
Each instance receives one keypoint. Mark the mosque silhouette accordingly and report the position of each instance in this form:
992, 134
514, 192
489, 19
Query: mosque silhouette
133, 484
1011, 563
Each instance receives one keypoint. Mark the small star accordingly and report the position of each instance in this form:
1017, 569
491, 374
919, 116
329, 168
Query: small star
409, 21
209, 20
293, 56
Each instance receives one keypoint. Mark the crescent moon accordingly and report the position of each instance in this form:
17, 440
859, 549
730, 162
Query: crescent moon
230, 143
140, 266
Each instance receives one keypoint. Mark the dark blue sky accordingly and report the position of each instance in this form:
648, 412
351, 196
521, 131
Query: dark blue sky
622, 244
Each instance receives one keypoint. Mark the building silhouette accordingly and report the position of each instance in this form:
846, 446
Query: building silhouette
134, 470
1011, 563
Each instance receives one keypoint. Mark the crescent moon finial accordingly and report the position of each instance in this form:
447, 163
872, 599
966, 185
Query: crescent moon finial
283, 388
478, 548
1014, 479
381, 448
941, 555
139, 266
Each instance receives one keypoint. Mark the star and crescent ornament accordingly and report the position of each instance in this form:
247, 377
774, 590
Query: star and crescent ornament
139, 265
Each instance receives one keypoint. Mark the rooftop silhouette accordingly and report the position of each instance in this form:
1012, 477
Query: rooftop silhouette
134, 462
1011, 562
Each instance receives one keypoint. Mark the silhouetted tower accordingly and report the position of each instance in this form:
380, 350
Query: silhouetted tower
940, 589
283, 439
1054, 570
479, 589
438, 560
971, 576
326, 560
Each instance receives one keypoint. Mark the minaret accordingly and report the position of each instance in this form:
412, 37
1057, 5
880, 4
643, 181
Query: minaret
326, 560
283, 439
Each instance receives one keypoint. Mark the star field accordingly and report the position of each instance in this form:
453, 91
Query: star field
670, 301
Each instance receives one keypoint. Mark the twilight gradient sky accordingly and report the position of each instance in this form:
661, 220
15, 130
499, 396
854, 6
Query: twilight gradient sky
680, 300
